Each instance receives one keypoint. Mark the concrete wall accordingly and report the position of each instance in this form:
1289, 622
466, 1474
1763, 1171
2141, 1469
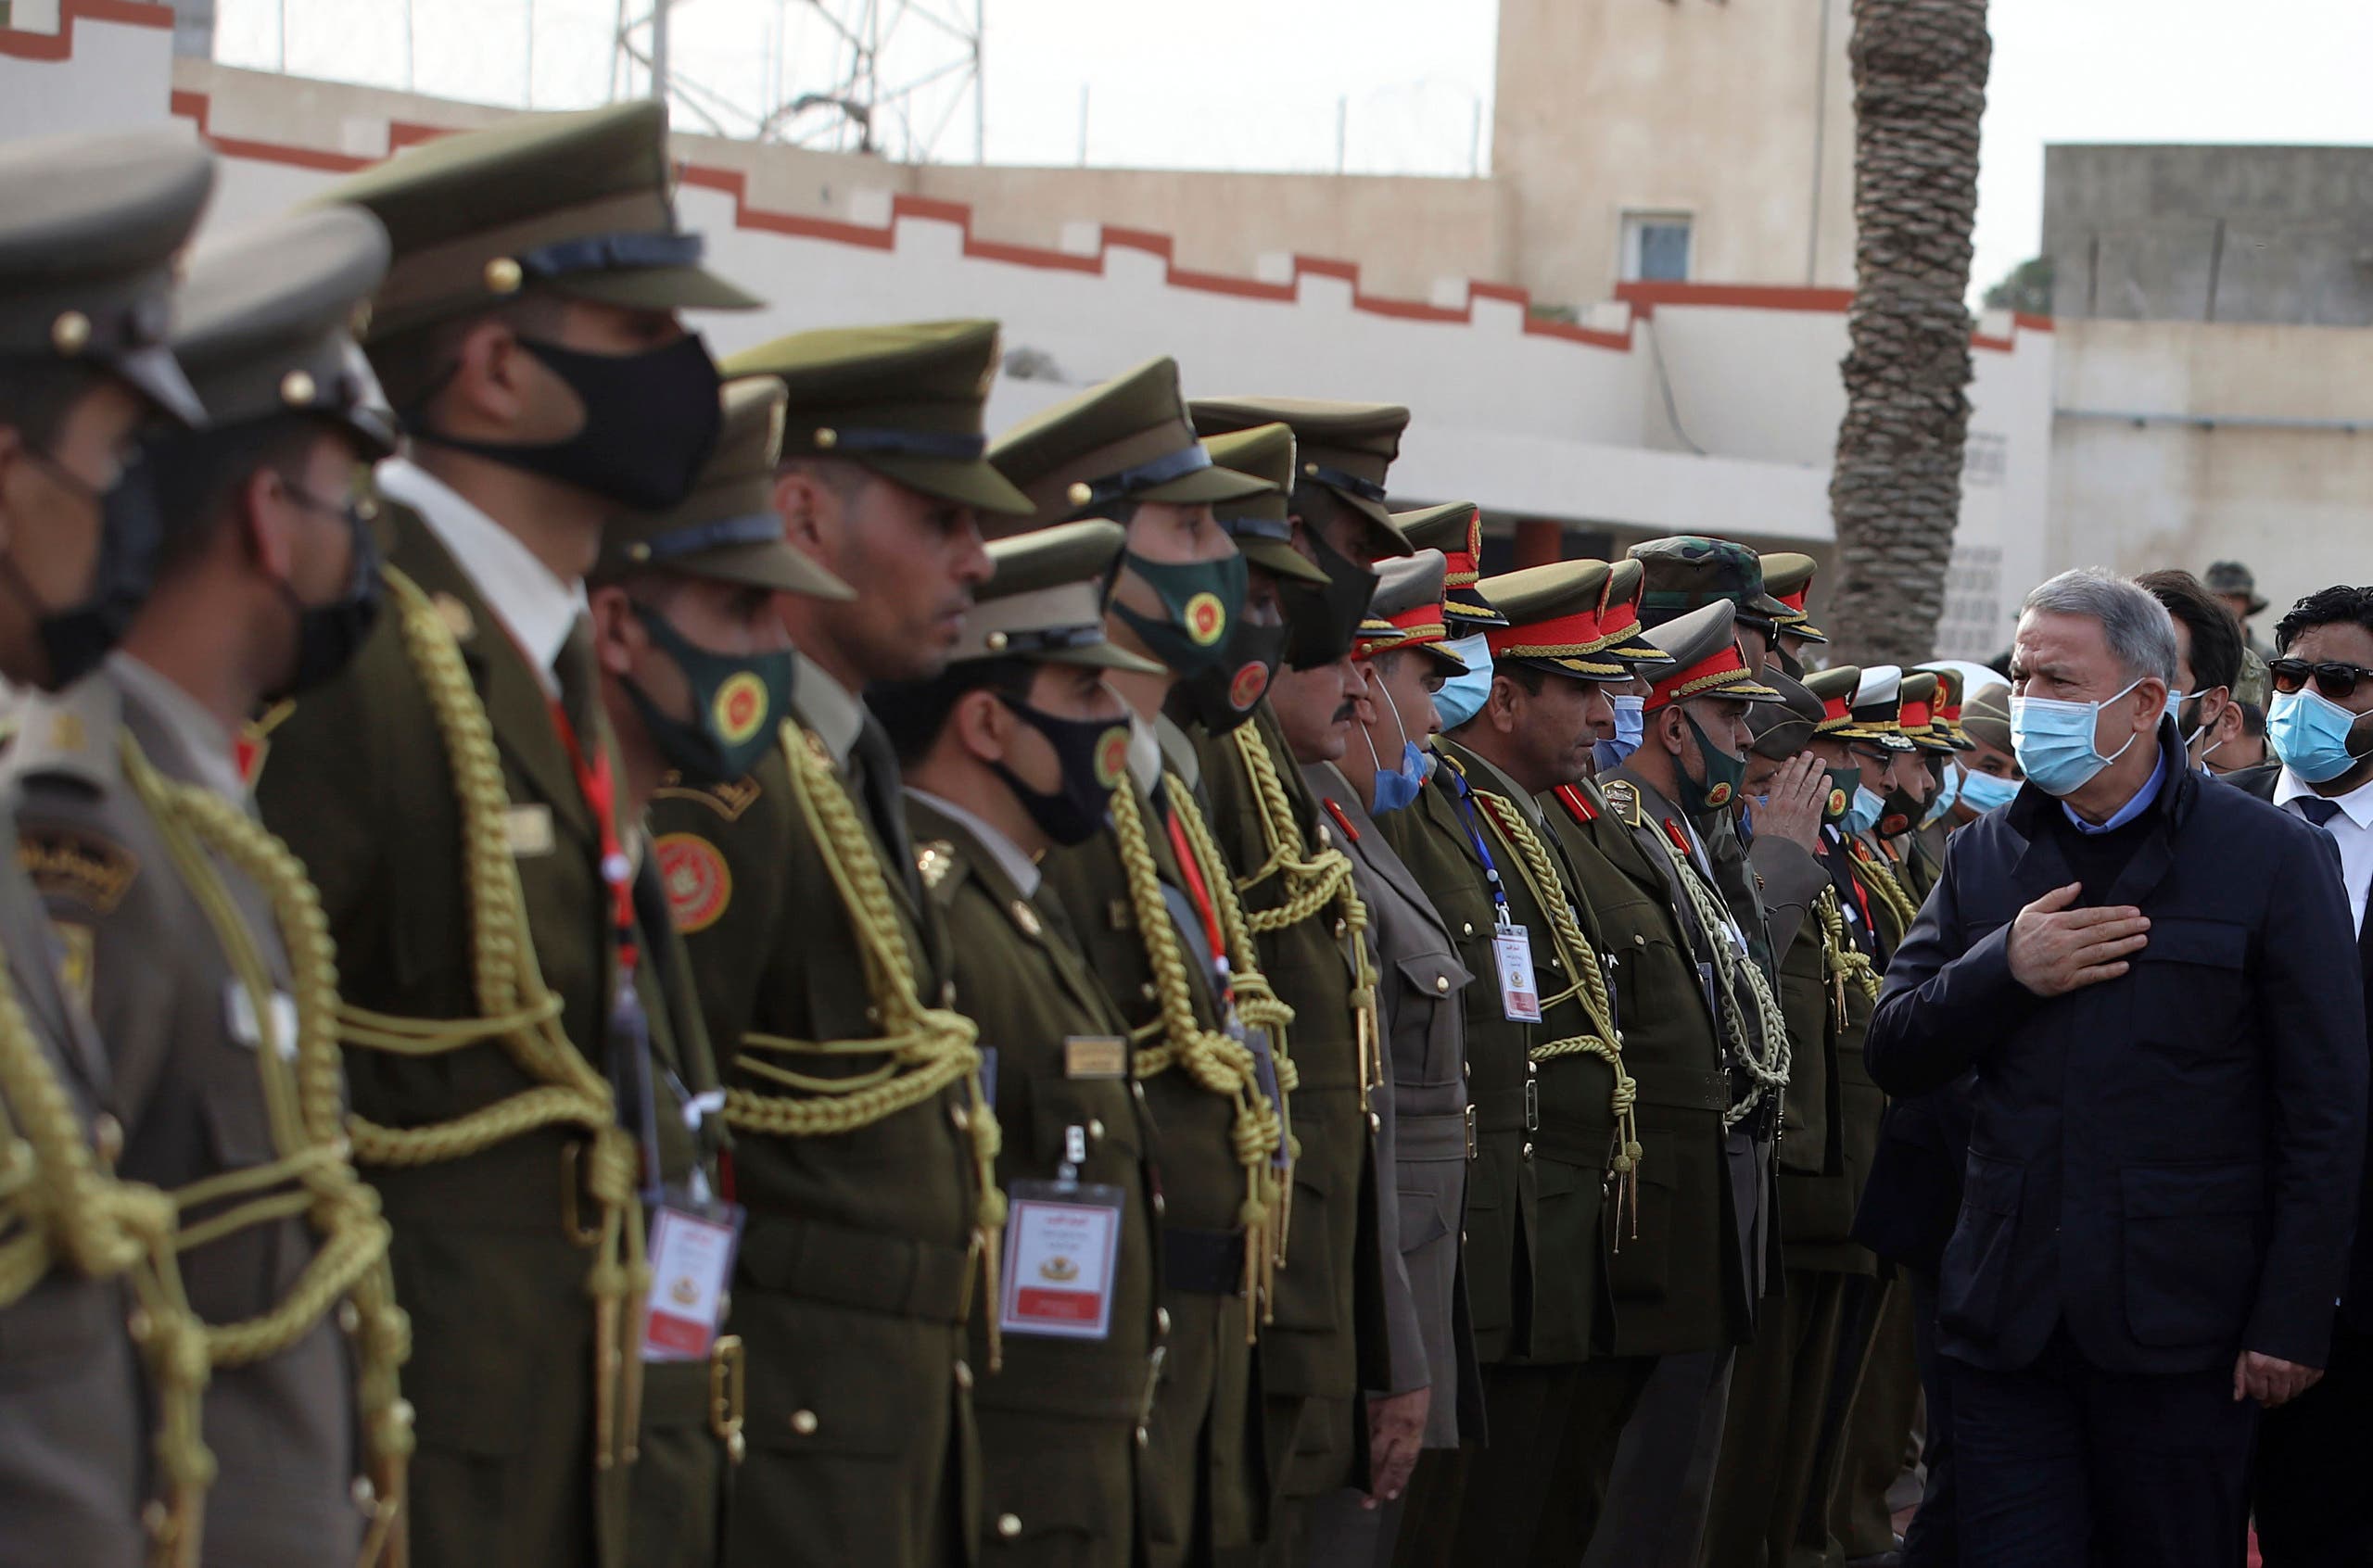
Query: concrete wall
1740, 114
2225, 233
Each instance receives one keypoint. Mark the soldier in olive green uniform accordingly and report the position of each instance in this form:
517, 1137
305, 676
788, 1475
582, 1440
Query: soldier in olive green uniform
1153, 906
696, 672
1556, 1146
89, 226
197, 937
452, 796
1326, 1343
863, 1139
1010, 753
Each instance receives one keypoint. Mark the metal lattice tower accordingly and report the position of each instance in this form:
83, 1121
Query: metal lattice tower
899, 78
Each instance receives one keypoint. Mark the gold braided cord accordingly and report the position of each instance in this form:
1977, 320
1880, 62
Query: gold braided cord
522, 1017
58, 1208
1548, 887
1846, 963
1767, 1069
926, 1048
304, 1098
1879, 878
1217, 1062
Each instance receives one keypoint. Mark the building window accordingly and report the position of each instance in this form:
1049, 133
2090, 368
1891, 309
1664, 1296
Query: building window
1656, 247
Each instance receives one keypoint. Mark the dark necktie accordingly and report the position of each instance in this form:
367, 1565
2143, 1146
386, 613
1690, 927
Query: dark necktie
873, 767
573, 672
2317, 809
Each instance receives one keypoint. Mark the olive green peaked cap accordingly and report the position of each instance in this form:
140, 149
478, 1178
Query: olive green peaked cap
1835, 687
266, 323
1406, 611
727, 529
89, 226
1346, 446
903, 400
1785, 727
579, 203
1986, 716
1919, 687
1045, 599
1690, 570
1257, 522
1126, 439
1702, 644
1788, 578
1456, 530
1553, 620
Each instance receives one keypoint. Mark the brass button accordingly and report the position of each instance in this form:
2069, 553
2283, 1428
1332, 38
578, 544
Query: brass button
962, 1118
298, 390
1009, 1526
964, 1375
71, 333
1162, 1320
1147, 991
996, 642
1462, 1236
805, 1422
1094, 1128
1639, 939
1143, 1438
1341, 927
1467, 1069
1554, 964
350, 1318
1531, 1067
1468, 928
1375, 1122
1159, 1206
1081, 492
106, 1137
1527, 1153
1441, 982
503, 275
365, 1495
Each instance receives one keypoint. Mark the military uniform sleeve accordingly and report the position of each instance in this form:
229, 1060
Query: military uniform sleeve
723, 855
1791, 879
324, 771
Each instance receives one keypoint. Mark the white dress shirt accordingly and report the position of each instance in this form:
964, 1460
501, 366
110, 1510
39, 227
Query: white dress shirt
829, 709
537, 609
2352, 830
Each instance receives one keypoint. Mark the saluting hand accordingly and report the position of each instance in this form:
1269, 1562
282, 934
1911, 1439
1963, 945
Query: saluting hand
1792, 810
2055, 950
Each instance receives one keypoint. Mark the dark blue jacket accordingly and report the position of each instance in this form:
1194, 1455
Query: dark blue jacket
2167, 1161
1913, 1197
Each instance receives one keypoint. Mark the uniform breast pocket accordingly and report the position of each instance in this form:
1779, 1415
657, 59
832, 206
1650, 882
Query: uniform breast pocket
241, 1273
2192, 997
1431, 987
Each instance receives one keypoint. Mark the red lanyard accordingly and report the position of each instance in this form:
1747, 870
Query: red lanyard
1196, 889
600, 789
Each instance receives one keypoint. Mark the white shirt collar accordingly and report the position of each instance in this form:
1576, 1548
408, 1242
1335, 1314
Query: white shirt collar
1145, 754
537, 608
1004, 851
2357, 805
830, 709
210, 746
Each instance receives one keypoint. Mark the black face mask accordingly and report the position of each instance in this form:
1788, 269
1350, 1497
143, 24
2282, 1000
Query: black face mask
1323, 619
328, 636
1843, 783
131, 529
739, 700
1092, 754
1901, 812
1222, 696
650, 420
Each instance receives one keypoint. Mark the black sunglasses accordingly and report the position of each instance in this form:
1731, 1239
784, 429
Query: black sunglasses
2333, 680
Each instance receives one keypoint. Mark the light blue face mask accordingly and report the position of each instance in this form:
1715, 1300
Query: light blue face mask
1397, 787
2053, 740
1947, 790
2309, 732
1983, 792
1631, 727
1462, 697
1863, 814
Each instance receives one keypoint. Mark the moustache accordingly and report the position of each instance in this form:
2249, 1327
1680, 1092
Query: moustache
1347, 713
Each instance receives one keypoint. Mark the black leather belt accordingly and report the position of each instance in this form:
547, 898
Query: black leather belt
1206, 1262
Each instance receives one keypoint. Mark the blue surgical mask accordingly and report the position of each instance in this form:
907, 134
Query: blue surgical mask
1630, 726
1983, 792
1396, 788
1949, 789
1462, 697
2053, 740
1863, 814
2309, 732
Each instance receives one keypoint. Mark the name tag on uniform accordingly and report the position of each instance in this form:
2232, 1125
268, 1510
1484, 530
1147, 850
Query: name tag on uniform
239, 1018
1096, 1055
691, 1260
530, 828
1512, 954
1062, 1246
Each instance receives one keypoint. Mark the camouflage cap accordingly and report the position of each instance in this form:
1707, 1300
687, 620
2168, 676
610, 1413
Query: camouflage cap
89, 226
1407, 610
1257, 522
1788, 578
1046, 599
1456, 530
582, 204
1127, 439
903, 401
1690, 570
1704, 646
1785, 727
726, 530
1916, 713
1878, 707
2255, 683
266, 323
1986, 716
2232, 577
1345, 446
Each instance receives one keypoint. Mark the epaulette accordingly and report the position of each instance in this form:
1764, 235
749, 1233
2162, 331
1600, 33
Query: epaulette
76, 865
1342, 820
1577, 806
729, 800
1622, 799
1451, 763
1679, 839
71, 738
933, 861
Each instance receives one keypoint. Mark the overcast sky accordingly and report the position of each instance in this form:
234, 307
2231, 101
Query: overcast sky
1260, 83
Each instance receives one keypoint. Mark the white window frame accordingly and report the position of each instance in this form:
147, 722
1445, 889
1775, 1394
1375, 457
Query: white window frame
1636, 222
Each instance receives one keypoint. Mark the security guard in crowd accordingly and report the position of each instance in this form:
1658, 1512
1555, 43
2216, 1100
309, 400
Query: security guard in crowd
95, 1467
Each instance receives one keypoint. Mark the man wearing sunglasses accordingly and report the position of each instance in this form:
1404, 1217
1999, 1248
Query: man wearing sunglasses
2308, 1510
2167, 1113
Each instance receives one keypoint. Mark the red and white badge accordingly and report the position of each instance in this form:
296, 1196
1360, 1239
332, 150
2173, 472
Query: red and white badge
691, 1260
1519, 994
1062, 1246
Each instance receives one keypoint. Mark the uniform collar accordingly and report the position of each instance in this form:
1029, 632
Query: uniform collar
830, 709
537, 608
1145, 754
1504, 785
1017, 866
202, 737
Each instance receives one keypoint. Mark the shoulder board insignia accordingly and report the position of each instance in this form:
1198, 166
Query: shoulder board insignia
456, 617
1451, 763
698, 883
1622, 799
76, 942
91, 871
1679, 839
1576, 805
66, 732
935, 861
1342, 820
729, 800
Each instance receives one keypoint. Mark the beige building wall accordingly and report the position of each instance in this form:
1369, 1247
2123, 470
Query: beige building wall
1739, 113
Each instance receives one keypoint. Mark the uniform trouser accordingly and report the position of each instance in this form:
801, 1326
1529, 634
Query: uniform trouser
1877, 1438
1535, 1492
1779, 1389
1428, 1530
1663, 1477
2062, 1465
1933, 1538
2315, 1508
1199, 1477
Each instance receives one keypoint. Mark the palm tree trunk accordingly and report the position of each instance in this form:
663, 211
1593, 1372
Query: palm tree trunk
1920, 71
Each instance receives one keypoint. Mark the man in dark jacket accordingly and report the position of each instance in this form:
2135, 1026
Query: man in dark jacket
2167, 1112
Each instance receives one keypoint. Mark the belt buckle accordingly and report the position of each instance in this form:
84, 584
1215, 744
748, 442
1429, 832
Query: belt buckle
1532, 1105
728, 1388
1470, 1133
572, 1184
